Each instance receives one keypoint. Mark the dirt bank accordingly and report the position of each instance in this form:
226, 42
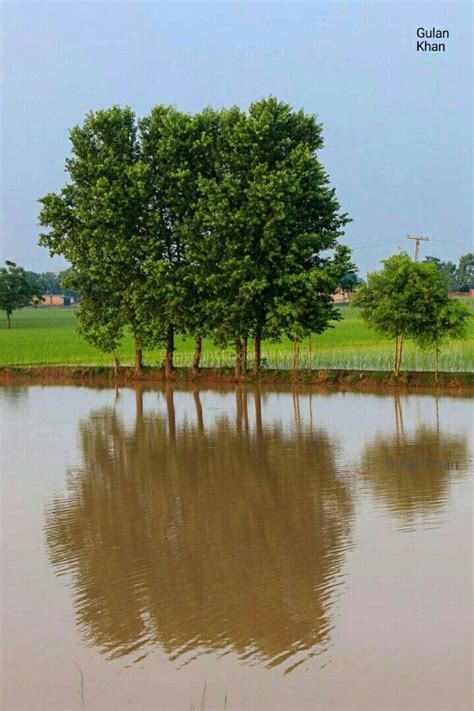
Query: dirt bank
461, 383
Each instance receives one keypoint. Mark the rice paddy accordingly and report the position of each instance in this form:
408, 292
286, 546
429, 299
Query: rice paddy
47, 336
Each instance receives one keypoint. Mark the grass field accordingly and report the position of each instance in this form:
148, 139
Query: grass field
48, 337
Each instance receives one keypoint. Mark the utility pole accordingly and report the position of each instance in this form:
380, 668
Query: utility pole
417, 243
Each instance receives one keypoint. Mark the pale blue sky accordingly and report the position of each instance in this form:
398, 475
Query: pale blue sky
397, 123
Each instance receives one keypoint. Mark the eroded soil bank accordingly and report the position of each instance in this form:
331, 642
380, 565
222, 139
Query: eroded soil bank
462, 383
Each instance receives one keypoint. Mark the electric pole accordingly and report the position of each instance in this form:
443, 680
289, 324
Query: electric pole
417, 243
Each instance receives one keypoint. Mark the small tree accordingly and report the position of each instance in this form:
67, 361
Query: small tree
403, 301
16, 290
387, 301
448, 322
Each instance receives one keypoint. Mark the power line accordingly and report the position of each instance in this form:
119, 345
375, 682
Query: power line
368, 245
446, 241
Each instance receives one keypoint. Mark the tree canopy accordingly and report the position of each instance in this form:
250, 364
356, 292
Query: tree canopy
408, 299
447, 321
222, 223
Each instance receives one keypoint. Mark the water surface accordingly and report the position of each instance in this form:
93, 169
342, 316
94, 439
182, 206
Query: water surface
236, 549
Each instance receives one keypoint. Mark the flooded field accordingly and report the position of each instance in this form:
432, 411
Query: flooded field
235, 549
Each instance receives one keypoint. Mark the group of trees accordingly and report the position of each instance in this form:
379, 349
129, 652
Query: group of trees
51, 283
409, 300
17, 290
20, 288
221, 224
458, 277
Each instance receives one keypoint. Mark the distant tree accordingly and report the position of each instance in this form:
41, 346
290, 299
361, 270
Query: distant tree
52, 283
349, 281
48, 282
16, 290
447, 270
446, 322
465, 272
458, 277
402, 299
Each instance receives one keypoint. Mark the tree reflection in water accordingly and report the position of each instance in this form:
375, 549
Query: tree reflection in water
410, 472
199, 538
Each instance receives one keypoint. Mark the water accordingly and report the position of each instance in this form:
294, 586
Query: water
235, 549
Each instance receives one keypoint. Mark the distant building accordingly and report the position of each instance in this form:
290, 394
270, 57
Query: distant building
57, 300
342, 297
465, 294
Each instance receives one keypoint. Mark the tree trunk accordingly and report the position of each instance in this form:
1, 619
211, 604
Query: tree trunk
116, 364
138, 359
296, 354
395, 362
197, 354
244, 354
238, 358
169, 351
436, 364
310, 353
400, 351
257, 351
9, 323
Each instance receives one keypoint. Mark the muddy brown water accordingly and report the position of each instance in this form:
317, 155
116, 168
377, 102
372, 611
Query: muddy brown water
235, 549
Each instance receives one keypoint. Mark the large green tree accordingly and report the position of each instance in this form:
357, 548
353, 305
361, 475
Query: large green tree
179, 150
97, 222
17, 290
269, 220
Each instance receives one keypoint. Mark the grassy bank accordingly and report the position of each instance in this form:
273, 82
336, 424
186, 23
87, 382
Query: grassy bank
48, 337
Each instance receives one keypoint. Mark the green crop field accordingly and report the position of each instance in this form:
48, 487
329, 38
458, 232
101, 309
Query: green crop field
47, 336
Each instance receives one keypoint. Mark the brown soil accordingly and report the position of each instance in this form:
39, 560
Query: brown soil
459, 383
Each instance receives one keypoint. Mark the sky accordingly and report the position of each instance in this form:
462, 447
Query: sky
397, 122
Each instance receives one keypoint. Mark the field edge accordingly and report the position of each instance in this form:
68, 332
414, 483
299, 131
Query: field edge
339, 379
